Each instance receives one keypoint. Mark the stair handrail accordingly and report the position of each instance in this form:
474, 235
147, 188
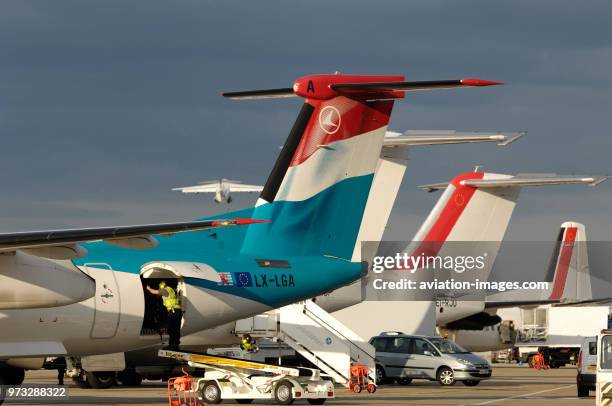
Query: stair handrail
310, 313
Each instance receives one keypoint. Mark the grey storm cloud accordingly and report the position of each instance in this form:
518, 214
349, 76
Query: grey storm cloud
106, 105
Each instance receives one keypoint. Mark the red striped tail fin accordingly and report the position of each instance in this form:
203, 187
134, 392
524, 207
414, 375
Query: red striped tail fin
569, 265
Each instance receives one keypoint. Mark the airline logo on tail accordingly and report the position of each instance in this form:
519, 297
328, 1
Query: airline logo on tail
330, 119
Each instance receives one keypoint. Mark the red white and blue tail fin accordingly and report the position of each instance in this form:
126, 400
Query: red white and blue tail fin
316, 194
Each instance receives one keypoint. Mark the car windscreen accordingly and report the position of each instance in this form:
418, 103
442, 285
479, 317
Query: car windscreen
447, 346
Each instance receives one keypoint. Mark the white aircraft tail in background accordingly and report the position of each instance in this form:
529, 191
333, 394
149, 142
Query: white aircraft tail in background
478, 207
222, 188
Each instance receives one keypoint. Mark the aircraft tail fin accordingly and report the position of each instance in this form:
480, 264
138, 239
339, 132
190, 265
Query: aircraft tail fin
316, 194
477, 207
568, 269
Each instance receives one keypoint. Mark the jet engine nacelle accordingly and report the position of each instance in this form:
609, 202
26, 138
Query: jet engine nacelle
28, 281
449, 311
499, 337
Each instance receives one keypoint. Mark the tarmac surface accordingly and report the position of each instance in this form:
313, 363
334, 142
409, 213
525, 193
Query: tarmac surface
510, 385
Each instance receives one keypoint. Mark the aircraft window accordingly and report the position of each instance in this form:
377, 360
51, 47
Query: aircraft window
606, 352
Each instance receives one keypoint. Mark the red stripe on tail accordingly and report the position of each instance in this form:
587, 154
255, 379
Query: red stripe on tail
446, 221
564, 261
339, 119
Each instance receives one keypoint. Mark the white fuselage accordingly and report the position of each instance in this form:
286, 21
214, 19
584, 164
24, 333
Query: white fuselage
110, 321
222, 193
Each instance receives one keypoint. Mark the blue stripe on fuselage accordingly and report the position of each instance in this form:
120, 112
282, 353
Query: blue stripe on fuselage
334, 232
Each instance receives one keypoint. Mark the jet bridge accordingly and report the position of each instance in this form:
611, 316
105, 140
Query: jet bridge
314, 334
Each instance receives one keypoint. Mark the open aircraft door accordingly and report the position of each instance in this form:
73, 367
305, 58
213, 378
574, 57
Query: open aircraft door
174, 274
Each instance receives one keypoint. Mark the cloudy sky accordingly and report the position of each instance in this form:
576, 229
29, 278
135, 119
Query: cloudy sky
107, 105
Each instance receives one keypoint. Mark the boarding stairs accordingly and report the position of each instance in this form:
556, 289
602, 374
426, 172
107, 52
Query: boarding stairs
314, 334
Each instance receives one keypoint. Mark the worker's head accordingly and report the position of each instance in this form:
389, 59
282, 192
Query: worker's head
162, 284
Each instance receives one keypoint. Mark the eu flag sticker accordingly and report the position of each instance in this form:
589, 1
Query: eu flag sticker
243, 279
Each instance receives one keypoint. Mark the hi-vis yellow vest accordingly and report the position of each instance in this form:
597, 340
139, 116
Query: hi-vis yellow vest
171, 302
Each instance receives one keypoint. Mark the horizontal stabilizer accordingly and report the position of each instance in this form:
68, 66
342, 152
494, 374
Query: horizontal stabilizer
522, 181
556, 303
214, 187
261, 94
518, 303
416, 137
328, 86
589, 302
411, 86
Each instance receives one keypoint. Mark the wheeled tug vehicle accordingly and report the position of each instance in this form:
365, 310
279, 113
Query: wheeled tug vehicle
244, 381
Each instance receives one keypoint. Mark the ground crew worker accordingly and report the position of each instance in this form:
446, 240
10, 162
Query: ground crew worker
172, 303
248, 343
60, 364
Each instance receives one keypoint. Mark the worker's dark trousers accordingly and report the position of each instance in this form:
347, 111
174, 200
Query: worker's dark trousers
174, 328
60, 375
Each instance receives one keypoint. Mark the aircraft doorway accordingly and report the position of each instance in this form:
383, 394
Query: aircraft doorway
174, 274
155, 320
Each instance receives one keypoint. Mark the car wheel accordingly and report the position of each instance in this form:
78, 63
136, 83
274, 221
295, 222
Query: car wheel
100, 380
583, 391
211, 393
471, 382
283, 393
381, 377
404, 381
14, 376
446, 376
